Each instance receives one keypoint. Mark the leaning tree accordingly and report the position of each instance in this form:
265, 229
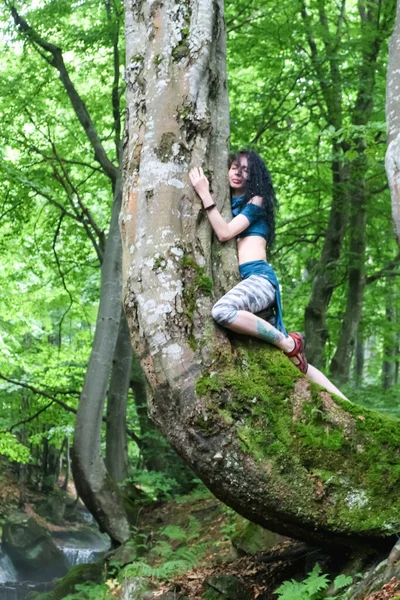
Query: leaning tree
279, 450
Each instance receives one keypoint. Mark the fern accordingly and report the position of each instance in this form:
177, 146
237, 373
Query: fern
313, 587
309, 589
174, 532
90, 591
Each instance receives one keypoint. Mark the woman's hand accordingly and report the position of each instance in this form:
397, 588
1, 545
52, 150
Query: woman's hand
199, 182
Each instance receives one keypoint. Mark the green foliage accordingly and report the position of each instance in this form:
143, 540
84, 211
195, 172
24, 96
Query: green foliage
13, 449
174, 552
312, 587
90, 591
155, 484
174, 562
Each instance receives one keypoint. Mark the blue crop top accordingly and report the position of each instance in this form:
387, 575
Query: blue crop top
255, 214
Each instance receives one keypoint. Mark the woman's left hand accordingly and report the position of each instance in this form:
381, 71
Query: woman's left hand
199, 181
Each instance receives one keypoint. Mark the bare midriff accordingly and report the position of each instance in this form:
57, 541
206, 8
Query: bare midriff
250, 248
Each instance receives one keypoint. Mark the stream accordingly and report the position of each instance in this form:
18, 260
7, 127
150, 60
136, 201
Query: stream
78, 547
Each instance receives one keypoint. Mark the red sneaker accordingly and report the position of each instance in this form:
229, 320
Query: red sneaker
298, 352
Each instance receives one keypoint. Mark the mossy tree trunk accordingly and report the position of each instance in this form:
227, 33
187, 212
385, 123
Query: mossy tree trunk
268, 443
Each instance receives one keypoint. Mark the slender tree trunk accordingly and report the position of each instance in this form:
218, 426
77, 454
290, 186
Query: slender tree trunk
393, 123
116, 440
67, 465
22, 466
340, 365
327, 272
390, 338
95, 486
359, 356
284, 455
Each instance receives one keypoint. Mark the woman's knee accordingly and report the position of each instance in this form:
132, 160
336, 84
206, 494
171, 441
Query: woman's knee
223, 313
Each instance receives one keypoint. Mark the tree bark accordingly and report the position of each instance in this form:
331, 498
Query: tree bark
278, 450
390, 338
359, 356
94, 484
116, 440
393, 123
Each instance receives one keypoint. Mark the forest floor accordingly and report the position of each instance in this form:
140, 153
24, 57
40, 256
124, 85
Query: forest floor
223, 554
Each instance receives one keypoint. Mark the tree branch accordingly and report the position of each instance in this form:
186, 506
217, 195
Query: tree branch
389, 270
28, 419
55, 400
57, 61
35, 390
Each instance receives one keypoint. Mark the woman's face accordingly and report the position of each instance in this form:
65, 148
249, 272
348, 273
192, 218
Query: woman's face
238, 175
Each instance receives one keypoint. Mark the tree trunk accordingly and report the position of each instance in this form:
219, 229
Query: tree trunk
393, 123
341, 361
94, 484
390, 338
359, 356
116, 441
371, 25
325, 279
279, 451
67, 465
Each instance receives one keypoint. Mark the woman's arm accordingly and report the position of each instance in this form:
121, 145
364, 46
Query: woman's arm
223, 230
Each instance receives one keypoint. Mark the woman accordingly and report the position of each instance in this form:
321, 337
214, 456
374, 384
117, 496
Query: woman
253, 204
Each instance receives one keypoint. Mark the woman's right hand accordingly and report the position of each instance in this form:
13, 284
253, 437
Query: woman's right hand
199, 181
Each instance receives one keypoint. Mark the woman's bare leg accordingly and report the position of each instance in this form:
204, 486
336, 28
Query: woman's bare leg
248, 324
317, 377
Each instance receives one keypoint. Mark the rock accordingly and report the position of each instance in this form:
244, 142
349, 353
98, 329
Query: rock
375, 579
31, 549
123, 555
250, 538
227, 587
53, 508
78, 574
136, 588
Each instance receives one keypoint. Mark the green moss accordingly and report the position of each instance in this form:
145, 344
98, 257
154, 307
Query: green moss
78, 574
197, 283
182, 49
159, 263
342, 453
208, 384
158, 59
164, 150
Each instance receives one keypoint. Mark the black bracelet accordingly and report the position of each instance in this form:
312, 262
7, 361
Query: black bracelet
210, 207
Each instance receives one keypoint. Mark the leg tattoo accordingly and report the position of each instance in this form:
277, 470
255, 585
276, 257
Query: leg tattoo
268, 333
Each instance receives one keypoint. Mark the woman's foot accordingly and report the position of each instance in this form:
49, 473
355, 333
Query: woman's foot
298, 352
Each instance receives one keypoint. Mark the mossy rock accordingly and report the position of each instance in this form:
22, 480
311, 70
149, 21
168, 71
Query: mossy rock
78, 574
250, 538
226, 587
123, 555
136, 588
39, 596
32, 550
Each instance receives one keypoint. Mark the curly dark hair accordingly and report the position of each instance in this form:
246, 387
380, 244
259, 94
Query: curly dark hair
259, 183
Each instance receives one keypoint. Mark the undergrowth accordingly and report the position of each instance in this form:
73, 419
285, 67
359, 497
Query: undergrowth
314, 586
